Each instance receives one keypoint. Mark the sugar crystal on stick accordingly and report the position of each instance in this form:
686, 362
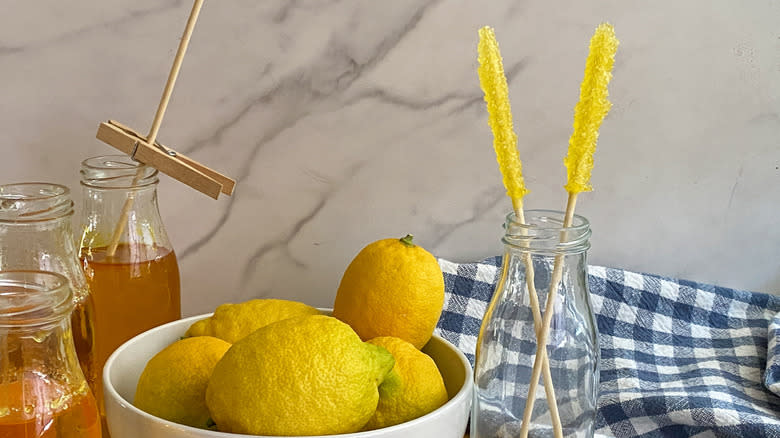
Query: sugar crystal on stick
588, 115
493, 83
591, 109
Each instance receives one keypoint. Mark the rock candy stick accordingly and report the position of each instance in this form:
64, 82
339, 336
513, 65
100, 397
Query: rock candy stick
591, 109
493, 82
588, 115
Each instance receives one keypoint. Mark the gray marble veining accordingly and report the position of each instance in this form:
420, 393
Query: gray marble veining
349, 121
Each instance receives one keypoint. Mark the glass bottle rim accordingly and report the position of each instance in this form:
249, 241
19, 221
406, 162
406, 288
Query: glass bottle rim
34, 202
33, 298
543, 231
117, 172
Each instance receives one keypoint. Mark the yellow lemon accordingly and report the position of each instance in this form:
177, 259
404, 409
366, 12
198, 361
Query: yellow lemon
308, 375
413, 388
173, 383
231, 322
392, 288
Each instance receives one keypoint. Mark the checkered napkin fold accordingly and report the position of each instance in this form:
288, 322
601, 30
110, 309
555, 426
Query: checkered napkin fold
678, 358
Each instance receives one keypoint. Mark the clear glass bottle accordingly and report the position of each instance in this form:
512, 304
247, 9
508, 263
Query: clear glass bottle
506, 348
36, 234
43, 393
127, 258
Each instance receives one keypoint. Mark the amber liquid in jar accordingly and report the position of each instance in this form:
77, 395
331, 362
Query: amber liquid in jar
82, 322
36, 234
74, 415
134, 290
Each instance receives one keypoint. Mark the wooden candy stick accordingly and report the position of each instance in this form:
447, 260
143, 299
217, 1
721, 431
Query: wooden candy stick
533, 297
493, 82
544, 330
590, 111
157, 122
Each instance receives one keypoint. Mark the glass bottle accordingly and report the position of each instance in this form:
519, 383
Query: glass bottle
36, 234
506, 348
43, 393
127, 258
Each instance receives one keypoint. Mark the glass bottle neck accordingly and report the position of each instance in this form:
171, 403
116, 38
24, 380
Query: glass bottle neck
137, 211
144, 199
35, 333
32, 351
41, 244
120, 211
543, 233
36, 232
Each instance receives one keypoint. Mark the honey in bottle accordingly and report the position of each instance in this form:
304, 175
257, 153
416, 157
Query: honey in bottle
36, 234
128, 261
43, 393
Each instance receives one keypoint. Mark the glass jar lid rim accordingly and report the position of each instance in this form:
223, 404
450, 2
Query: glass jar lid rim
34, 202
116, 172
553, 217
19, 191
112, 162
33, 298
543, 231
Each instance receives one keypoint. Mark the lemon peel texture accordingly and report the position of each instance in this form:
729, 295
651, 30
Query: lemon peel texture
231, 322
413, 388
392, 288
173, 383
308, 375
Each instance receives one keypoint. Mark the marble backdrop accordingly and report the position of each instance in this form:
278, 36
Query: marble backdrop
349, 121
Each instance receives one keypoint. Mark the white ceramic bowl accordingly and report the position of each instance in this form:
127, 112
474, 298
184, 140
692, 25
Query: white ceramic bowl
124, 367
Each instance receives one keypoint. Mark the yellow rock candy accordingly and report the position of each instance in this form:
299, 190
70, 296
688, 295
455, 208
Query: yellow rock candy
493, 82
591, 109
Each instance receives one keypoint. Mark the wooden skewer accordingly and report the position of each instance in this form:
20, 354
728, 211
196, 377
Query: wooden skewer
549, 389
158, 118
541, 349
517, 205
493, 82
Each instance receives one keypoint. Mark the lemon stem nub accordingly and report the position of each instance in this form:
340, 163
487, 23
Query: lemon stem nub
407, 240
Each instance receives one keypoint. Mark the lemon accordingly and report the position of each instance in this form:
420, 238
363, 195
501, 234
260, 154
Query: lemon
308, 375
413, 388
173, 383
392, 288
232, 322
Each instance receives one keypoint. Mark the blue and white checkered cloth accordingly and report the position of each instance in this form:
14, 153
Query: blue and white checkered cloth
678, 358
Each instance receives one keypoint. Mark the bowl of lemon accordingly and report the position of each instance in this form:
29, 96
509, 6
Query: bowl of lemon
371, 367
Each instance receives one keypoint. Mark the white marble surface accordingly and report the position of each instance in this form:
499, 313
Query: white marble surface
350, 121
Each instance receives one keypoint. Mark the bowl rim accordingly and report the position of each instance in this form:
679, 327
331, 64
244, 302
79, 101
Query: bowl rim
465, 390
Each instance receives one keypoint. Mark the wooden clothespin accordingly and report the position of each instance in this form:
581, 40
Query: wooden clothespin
146, 149
166, 160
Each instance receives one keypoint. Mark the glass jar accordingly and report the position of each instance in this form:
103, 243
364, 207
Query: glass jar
127, 258
36, 234
507, 345
43, 393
